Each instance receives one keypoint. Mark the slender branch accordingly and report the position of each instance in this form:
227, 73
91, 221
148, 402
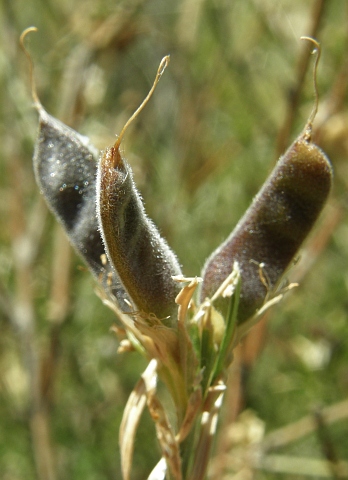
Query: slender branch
327, 445
293, 432
310, 467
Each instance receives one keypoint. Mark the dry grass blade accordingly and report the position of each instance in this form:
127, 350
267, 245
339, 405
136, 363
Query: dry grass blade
208, 430
165, 434
130, 420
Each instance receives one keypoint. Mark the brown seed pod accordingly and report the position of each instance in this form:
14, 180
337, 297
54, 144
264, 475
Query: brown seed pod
275, 225
142, 258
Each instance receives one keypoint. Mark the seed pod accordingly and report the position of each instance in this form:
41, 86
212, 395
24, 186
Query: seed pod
270, 233
65, 166
133, 244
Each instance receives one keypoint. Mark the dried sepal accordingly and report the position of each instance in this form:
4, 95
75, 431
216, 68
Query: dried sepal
184, 297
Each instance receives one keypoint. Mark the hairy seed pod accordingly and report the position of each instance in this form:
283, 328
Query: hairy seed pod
65, 166
133, 244
273, 228
275, 225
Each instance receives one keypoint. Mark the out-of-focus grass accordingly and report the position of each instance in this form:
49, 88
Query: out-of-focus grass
200, 150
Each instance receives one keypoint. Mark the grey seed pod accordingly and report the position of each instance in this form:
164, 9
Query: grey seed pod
65, 166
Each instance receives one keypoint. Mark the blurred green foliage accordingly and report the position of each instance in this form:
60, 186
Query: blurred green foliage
200, 150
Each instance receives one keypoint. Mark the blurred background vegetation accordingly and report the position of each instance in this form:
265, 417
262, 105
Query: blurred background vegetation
237, 92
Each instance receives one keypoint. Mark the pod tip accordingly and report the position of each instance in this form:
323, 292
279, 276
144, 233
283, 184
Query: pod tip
307, 132
34, 94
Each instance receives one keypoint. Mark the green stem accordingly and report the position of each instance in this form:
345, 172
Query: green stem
187, 448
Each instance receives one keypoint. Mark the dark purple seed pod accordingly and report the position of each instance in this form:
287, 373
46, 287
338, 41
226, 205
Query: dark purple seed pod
139, 254
273, 228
